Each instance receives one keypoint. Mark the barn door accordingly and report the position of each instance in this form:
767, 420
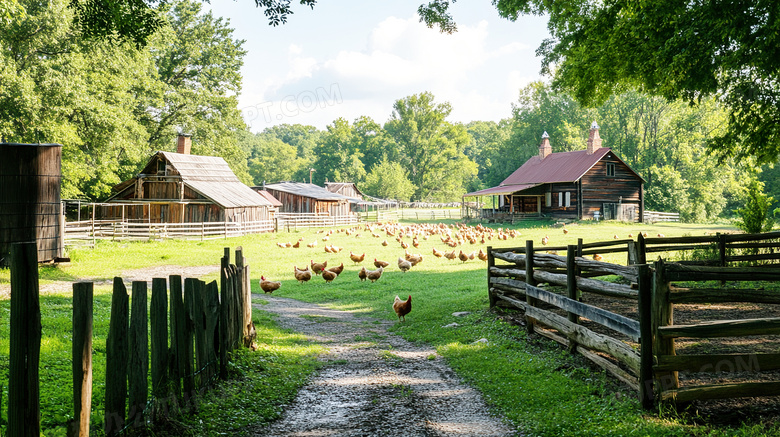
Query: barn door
609, 211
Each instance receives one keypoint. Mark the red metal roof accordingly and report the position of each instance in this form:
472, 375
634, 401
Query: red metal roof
501, 189
556, 167
269, 197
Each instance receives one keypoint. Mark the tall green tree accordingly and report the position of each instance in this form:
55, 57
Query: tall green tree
388, 180
339, 158
677, 50
430, 147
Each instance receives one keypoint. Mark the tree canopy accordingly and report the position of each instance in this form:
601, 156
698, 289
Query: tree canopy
675, 49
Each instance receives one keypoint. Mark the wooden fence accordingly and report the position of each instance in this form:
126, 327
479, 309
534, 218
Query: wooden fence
192, 331
295, 221
656, 216
85, 232
640, 341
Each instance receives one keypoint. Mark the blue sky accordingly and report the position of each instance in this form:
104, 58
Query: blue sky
349, 58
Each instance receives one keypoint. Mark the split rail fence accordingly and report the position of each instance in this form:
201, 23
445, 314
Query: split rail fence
638, 346
192, 331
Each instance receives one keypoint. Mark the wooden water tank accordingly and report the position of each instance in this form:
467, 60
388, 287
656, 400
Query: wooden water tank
30, 176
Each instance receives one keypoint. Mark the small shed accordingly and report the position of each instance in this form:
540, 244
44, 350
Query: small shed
348, 189
300, 197
593, 183
30, 206
184, 188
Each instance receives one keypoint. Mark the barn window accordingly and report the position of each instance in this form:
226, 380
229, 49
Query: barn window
560, 199
160, 167
610, 169
548, 199
568, 199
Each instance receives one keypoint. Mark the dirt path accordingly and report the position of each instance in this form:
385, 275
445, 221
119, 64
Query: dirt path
375, 383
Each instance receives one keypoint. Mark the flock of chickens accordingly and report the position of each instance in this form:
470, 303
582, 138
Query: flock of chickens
451, 236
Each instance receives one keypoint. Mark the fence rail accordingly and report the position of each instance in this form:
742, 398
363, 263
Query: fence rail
644, 348
294, 221
87, 231
656, 216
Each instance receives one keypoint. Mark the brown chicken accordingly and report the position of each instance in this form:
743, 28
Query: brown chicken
404, 265
384, 243
482, 255
437, 253
363, 274
414, 258
597, 257
329, 276
302, 275
402, 308
404, 245
357, 259
463, 257
380, 263
338, 269
297, 244
450, 255
374, 275
269, 286
318, 267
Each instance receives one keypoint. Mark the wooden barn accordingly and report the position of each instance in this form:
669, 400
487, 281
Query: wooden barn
184, 188
300, 197
348, 189
585, 184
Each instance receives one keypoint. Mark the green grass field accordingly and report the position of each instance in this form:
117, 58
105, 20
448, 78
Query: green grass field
536, 384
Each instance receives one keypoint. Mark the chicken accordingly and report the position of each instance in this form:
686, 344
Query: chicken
380, 263
384, 243
338, 269
565, 231
660, 235
615, 236
362, 274
597, 257
302, 275
404, 265
545, 240
450, 255
335, 249
357, 259
329, 276
630, 235
402, 308
404, 244
415, 243
413, 258
374, 275
312, 244
472, 255
327, 249
318, 267
297, 244
462, 256
282, 245
482, 255
437, 253
269, 286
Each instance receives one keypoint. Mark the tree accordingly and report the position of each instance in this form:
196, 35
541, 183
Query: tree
338, 155
273, 160
430, 147
387, 180
668, 48
754, 216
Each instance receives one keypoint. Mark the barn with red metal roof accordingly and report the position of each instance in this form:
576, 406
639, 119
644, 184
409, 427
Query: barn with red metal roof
584, 184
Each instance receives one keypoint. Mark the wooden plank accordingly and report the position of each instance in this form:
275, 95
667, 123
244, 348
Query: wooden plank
662, 312
628, 272
720, 295
727, 328
678, 272
116, 360
731, 238
199, 321
681, 240
188, 352
722, 391
679, 247
224, 336
158, 315
82, 358
176, 308
613, 321
719, 362
597, 359
211, 311
515, 302
491, 262
610, 243
138, 348
584, 336
758, 257
25, 348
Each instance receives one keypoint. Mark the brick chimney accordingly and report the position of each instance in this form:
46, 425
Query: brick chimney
545, 148
184, 144
594, 140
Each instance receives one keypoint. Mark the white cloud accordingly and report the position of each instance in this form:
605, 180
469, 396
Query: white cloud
478, 76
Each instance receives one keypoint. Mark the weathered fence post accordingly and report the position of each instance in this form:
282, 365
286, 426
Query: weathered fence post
212, 323
138, 365
199, 322
722, 249
663, 315
224, 335
82, 358
187, 352
646, 394
491, 261
24, 411
116, 360
571, 288
240, 296
159, 322
633, 256
177, 334
529, 279
641, 249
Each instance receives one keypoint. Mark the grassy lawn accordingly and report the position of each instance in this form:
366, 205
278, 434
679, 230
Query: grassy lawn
533, 382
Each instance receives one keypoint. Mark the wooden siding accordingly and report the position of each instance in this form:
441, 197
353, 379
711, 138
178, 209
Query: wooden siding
30, 198
599, 189
294, 203
558, 191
